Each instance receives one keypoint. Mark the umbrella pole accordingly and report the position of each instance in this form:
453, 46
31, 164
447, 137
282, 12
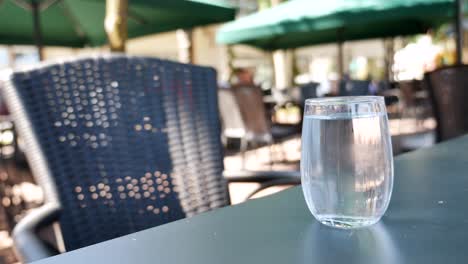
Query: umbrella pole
389, 52
185, 45
459, 30
340, 60
115, 24
11, 57
37, 28
339, 37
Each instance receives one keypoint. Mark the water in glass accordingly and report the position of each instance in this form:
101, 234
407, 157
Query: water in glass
347, 163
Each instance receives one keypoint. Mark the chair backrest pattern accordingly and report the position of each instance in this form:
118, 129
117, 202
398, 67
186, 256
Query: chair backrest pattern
123, 143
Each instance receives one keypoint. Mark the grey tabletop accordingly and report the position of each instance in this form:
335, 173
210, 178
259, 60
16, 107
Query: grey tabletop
427, 222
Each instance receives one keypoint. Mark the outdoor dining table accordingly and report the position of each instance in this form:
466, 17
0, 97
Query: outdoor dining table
426, 222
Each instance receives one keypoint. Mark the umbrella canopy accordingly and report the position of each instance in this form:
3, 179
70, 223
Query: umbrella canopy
76, 23
306, 22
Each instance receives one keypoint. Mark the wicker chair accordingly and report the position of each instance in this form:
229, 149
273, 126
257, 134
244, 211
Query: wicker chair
119, 144
448, 90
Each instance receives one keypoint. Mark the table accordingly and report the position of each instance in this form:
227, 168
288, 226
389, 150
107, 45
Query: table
427, 222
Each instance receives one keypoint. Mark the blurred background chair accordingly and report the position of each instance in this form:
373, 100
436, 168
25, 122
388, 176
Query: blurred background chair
414, 100
244, 117
353, 88
300, 94
303, 92
250, 103
120, 144
448, 89
232, 123
18, 192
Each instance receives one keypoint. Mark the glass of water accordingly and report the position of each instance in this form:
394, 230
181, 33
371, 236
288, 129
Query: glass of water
347, 162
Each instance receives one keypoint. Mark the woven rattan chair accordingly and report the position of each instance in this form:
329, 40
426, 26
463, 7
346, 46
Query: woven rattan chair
119, 144
448, 90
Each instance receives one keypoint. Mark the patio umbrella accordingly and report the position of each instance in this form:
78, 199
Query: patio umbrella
298, 23
80, 23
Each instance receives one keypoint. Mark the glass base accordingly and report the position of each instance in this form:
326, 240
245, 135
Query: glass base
345, 222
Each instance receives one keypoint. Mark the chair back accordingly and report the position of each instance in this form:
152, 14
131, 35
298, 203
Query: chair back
123, 143
231, 118
448, 89
250, 101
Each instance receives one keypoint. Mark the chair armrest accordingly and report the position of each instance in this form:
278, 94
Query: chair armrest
262, 176
266, 179
27, 243
268, 184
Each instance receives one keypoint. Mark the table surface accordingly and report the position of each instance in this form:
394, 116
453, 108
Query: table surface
427, 222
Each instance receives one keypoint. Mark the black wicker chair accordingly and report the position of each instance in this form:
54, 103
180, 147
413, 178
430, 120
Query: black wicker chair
120, 144
448, 90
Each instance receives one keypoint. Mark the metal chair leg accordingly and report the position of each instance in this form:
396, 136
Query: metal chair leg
243, 149
270, 152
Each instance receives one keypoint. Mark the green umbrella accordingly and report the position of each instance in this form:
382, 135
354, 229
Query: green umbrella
306, 22
78, 23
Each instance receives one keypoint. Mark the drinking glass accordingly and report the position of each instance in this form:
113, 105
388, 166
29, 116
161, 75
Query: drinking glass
347, 162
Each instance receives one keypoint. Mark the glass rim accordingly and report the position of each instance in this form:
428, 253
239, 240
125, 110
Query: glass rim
345, 100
